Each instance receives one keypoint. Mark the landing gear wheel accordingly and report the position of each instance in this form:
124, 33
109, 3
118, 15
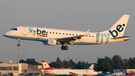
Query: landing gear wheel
19, 41
18, 45
66, 47
62, 48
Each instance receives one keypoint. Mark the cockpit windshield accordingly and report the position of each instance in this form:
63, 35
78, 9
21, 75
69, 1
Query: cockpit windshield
14, 29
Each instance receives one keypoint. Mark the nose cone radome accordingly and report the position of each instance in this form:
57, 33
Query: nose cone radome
5, 34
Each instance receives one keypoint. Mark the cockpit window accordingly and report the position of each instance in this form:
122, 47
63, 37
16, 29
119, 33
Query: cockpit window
14, 29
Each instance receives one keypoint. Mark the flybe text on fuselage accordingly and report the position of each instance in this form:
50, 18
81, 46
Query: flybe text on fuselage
101, 37
114, 34
41, 33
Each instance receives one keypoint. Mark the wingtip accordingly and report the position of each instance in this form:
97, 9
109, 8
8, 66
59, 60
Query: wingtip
88, 30
126, 15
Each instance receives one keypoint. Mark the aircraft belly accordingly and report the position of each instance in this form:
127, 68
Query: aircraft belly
85, 41
60, 73
115, 40
28, 38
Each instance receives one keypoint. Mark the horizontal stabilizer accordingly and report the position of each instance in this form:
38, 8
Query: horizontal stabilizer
124, 38
121, 37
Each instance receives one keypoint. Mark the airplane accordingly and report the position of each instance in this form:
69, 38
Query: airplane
104, 74
130, 74
111, 74
57, 36
49, 70
118, 73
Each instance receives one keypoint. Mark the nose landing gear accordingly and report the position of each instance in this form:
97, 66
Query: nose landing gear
19, 41
64, 47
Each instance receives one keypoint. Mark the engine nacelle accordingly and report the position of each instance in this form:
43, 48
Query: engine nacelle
50, 42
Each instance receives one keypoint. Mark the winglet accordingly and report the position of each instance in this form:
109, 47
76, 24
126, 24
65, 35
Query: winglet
87, 32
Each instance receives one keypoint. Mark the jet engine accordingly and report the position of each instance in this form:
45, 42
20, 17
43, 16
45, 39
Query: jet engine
50, 42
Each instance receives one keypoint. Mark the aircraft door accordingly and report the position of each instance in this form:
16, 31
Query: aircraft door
25, 31
97, 37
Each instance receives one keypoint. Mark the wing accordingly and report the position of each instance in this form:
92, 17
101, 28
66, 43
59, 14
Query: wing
71, 39
73, 73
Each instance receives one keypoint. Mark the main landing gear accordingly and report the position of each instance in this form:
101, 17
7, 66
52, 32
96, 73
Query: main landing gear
19, 41
64, 47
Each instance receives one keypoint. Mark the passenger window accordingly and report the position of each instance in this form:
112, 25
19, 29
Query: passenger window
92, 36
66, 33
63, 33
50, 32
53, 32
69, 34
56, 33
89, 36
59, 33
73, 34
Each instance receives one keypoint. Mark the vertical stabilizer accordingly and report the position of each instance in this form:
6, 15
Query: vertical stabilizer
91, 67
118, 29
45, 65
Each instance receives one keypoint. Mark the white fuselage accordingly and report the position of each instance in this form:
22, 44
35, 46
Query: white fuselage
71, 72
43, 34
57, 36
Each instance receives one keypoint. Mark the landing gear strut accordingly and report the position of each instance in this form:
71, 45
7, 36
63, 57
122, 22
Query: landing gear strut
64, 47
19, 41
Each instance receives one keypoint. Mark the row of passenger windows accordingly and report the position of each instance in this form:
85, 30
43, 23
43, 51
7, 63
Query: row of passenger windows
64, 33
68, 34
8, 68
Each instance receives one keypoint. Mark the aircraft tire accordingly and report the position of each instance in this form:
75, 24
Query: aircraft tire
18, 45
66, 47
62, 48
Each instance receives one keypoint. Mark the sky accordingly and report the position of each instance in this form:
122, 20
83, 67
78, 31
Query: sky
96, 15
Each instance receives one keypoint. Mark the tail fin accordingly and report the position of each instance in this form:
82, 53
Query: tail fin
121, 70
45, 65
118, 29
91, 67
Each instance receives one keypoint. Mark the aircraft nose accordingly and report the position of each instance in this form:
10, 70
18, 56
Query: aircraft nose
6, 34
